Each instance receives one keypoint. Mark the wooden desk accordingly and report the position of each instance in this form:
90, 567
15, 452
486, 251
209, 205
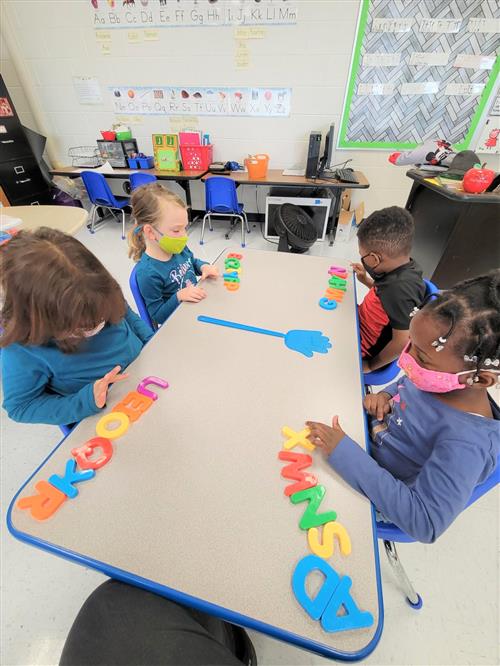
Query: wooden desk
69, 219
181, 177
276, 177
191, 505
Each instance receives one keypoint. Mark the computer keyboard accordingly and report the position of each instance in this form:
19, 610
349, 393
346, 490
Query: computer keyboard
345, 175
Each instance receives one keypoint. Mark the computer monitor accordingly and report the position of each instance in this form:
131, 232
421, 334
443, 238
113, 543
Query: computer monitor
326, 160
317, 209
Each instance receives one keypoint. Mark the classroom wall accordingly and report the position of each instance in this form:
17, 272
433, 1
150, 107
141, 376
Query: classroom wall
53, 40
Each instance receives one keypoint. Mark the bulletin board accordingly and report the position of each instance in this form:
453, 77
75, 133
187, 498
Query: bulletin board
420, 70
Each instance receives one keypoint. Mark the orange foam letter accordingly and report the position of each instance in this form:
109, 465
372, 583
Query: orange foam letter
134, 405
45, 503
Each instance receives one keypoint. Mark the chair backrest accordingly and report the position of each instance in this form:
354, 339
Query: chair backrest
138, 179
430, 288
390, 532
98, 189
139, 301
220, 195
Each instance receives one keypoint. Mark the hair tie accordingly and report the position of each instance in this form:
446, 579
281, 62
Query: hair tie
137, 229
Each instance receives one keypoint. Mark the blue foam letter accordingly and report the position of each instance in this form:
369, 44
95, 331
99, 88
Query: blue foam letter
353, 618
63, 483
314, 607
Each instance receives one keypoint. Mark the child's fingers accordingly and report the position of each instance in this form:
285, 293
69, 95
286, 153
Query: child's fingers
335, 423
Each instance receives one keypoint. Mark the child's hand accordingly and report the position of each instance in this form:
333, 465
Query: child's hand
101, 386
191, 294
378, 404
323, 436
209, 271
361, 274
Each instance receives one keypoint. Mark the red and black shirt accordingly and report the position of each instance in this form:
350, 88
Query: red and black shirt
388, 305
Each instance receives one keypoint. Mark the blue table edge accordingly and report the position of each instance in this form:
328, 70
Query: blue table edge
206, 606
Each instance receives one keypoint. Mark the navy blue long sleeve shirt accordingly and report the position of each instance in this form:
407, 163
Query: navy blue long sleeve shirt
159, 281
427, 458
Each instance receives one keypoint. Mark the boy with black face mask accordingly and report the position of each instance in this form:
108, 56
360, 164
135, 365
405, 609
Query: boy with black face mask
395, 282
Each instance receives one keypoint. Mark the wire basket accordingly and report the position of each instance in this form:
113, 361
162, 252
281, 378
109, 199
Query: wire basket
85, 156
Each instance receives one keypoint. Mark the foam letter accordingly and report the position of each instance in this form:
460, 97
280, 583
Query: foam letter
43, 505
82, 455
157, 381
134, 405
102, 425
71, 475
353, 618
310, 518
314, 607
297, 438
330, 531
299, 461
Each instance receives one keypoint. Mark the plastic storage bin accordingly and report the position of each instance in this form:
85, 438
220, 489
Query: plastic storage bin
108, 135
257, 165
196, 158
123, 136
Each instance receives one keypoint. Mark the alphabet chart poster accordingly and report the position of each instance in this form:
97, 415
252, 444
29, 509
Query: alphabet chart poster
167, 100
420, 70
189, 13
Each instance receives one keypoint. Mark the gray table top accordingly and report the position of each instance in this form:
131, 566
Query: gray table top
192, 499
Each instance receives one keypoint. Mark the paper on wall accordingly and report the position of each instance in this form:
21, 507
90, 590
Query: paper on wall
420, 88
249, 33
381, 59
134, 37
495, 109
474, 61
376, 89
183, 123
242, 55
464, 89
483, 25
392, 25
106, 48
151, 35
439, 25
103, 35
88, 90
430, 58
489, 141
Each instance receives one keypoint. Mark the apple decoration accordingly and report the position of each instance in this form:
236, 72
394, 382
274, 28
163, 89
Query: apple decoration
477, 179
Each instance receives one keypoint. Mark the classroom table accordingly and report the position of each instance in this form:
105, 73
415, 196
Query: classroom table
192, 504
69, 219
275, 177
181, 177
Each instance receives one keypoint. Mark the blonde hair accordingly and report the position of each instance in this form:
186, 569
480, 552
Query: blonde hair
145, 202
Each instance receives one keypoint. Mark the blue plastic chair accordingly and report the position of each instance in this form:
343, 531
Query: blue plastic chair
221, 200
138, 179
101, 197
139, 301
390, 371
390, 534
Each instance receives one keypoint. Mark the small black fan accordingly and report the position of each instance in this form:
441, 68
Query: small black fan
295, 228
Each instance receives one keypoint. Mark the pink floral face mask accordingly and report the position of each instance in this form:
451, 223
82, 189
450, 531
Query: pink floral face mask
431, 381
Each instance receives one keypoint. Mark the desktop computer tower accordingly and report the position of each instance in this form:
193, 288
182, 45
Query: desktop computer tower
313, 154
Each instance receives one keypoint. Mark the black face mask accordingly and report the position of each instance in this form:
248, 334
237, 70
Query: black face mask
371, 272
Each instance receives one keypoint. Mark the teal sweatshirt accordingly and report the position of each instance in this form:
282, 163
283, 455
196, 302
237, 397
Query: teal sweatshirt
42, 384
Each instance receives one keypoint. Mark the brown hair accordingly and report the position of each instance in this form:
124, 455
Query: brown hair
145, 202
54, 288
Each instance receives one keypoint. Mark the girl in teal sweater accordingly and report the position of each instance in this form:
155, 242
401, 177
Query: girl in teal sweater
67, 329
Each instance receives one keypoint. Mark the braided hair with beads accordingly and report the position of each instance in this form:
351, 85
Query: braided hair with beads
472, 310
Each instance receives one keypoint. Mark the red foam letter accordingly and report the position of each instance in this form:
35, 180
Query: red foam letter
82, 455
299, 461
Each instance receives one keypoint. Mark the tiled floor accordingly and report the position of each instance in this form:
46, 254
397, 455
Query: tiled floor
457, 577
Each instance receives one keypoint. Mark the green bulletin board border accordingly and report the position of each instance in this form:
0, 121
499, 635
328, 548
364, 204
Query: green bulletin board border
381, 145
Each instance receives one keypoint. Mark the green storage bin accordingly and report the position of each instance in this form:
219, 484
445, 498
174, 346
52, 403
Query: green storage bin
123, 136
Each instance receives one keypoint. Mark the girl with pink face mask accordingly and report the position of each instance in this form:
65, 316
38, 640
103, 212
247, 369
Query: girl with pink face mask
435, 433
67, 330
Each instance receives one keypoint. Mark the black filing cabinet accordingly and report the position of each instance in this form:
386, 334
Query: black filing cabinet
20, 176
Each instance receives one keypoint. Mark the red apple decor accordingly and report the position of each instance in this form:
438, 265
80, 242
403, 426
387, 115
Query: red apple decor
477, 179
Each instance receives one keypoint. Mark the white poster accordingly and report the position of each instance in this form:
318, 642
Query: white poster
197, 13
88, 90
167, 100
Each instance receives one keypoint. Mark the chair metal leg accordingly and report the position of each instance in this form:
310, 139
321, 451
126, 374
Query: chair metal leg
92, 218
246, 221
123, 224
210, 223
414, 599
205, 217
242, 230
